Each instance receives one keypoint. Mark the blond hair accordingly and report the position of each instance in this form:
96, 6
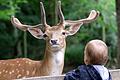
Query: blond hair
96, 52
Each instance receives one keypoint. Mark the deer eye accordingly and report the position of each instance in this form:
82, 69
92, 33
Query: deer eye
63, 33
44, 35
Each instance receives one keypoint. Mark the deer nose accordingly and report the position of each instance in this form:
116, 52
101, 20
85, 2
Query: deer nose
54, 42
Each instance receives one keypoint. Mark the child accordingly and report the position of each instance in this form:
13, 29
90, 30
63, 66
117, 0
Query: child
95, 57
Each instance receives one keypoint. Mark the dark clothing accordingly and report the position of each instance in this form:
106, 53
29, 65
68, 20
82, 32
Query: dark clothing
84, 72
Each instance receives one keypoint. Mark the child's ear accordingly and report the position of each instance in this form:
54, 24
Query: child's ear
73, 28
36, 32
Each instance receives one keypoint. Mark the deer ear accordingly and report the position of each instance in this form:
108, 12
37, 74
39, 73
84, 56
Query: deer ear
73, 28
36, 32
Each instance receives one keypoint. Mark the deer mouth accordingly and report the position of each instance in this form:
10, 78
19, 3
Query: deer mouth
55, 45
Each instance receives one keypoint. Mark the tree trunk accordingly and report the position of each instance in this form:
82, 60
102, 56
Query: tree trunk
118, 24
25, 44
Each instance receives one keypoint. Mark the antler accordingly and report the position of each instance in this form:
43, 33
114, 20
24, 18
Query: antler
21, 26
93, 15
60, 14
43, 15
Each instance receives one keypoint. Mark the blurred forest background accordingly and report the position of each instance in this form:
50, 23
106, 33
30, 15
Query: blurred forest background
15, 43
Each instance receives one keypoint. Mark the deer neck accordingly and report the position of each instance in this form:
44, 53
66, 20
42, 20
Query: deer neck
53, 60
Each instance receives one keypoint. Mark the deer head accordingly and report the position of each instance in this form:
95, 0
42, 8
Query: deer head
55, 35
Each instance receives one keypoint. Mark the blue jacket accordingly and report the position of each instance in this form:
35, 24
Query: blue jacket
84, 72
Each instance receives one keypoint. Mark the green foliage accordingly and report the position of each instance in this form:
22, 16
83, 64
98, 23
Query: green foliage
9, 7
8, 34
74, 54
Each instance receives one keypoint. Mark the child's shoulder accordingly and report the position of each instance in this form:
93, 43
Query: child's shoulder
85, 67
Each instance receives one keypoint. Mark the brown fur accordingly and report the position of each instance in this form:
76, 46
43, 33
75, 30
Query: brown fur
17, 68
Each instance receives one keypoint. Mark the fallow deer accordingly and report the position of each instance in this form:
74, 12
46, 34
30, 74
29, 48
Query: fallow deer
53, 61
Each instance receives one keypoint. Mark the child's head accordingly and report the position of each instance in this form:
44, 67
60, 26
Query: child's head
96, 53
